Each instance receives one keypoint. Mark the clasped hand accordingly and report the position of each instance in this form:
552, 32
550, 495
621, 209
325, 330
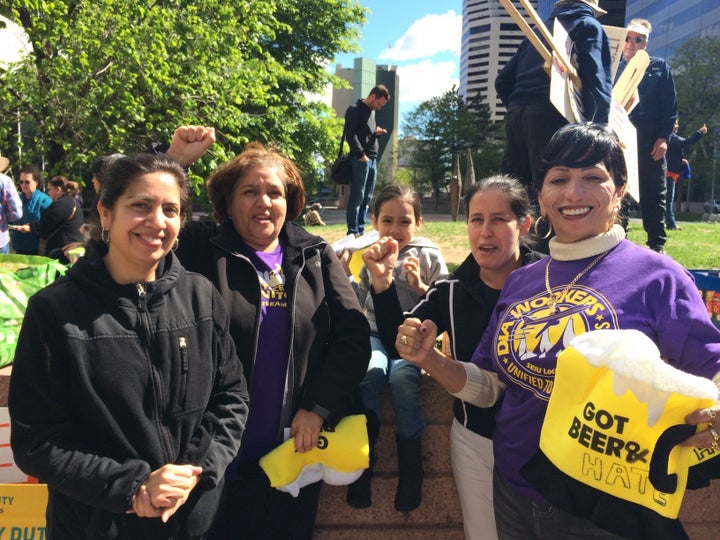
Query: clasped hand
415, 340
165, 490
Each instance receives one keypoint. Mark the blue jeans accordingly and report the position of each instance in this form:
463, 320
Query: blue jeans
520, 518
5, 249
669, 213
404, 380
362, 185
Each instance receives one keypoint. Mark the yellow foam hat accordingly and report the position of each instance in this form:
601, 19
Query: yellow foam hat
613, 404
339, 458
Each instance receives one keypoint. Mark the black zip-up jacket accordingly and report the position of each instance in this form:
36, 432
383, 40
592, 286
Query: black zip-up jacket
329, 335
656, 112
460, 305
360, 130
59, 225
111, 382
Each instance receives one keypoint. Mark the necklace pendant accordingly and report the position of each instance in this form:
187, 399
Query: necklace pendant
552, 305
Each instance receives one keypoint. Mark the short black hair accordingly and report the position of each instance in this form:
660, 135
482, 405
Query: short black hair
584, 145
380, 91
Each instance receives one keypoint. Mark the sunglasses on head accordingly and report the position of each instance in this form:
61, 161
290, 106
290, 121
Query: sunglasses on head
638, 39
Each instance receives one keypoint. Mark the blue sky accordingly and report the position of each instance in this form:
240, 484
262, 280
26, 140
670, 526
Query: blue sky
420, 37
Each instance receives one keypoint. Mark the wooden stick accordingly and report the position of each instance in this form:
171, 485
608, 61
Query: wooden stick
536, 42
527, 30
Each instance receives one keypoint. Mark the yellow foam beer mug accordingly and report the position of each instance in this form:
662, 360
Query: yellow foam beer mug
339, 458
613, 409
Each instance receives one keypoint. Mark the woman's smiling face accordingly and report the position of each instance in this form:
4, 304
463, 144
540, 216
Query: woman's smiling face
581, 202
143, 225
258, 207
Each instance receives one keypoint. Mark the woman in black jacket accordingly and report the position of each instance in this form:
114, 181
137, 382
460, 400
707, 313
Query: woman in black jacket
126, 395
297, 325
499, 217
60, 224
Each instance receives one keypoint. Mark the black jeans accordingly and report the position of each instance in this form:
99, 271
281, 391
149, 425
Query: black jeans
252, 510
520, 518
528, 128
652, 192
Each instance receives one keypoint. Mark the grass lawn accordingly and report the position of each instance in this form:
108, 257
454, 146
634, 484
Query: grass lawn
696, 246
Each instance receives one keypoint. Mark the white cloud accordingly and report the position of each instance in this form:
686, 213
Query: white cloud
427, 37
425, 80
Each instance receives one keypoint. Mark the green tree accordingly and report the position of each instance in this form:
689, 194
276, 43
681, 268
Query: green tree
108, 76
438, 129
697, 81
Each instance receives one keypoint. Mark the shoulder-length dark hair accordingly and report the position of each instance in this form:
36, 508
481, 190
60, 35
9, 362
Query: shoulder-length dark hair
584, 145
222, 182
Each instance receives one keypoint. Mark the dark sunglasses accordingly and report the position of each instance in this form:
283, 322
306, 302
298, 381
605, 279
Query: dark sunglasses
637, 40
24, 182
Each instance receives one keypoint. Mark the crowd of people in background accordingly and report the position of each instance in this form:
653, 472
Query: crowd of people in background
236, 333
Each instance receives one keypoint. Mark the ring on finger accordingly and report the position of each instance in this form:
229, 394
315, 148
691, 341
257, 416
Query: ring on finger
711, 414
716, 437
404, 340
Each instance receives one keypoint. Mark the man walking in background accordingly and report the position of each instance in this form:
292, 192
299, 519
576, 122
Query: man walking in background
10, 205
361, 133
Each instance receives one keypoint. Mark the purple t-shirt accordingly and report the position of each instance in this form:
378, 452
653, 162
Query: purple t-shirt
269, 374
631, 288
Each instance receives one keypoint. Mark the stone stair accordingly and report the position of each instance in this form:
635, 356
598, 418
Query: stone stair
439, 516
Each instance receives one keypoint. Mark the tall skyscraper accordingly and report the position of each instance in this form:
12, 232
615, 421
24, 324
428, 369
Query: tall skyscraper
489, 38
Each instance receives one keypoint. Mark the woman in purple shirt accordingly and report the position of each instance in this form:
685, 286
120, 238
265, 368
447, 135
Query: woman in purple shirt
594, 278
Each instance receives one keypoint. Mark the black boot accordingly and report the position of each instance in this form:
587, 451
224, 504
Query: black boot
359, 493
409, 490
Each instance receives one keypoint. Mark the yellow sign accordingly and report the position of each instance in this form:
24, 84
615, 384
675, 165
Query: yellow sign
22, 511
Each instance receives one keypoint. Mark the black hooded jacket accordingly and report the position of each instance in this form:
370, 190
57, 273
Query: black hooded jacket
111, 382
329, 335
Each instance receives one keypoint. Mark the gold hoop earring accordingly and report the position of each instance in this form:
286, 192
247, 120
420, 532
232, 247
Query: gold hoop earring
549, 231
175, 245
105, 236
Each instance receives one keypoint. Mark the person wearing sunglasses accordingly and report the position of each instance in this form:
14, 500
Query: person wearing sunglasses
654, 118
34, 203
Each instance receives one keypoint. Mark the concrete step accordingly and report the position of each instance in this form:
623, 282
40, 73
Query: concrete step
400, 532
439, 508
437, 517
